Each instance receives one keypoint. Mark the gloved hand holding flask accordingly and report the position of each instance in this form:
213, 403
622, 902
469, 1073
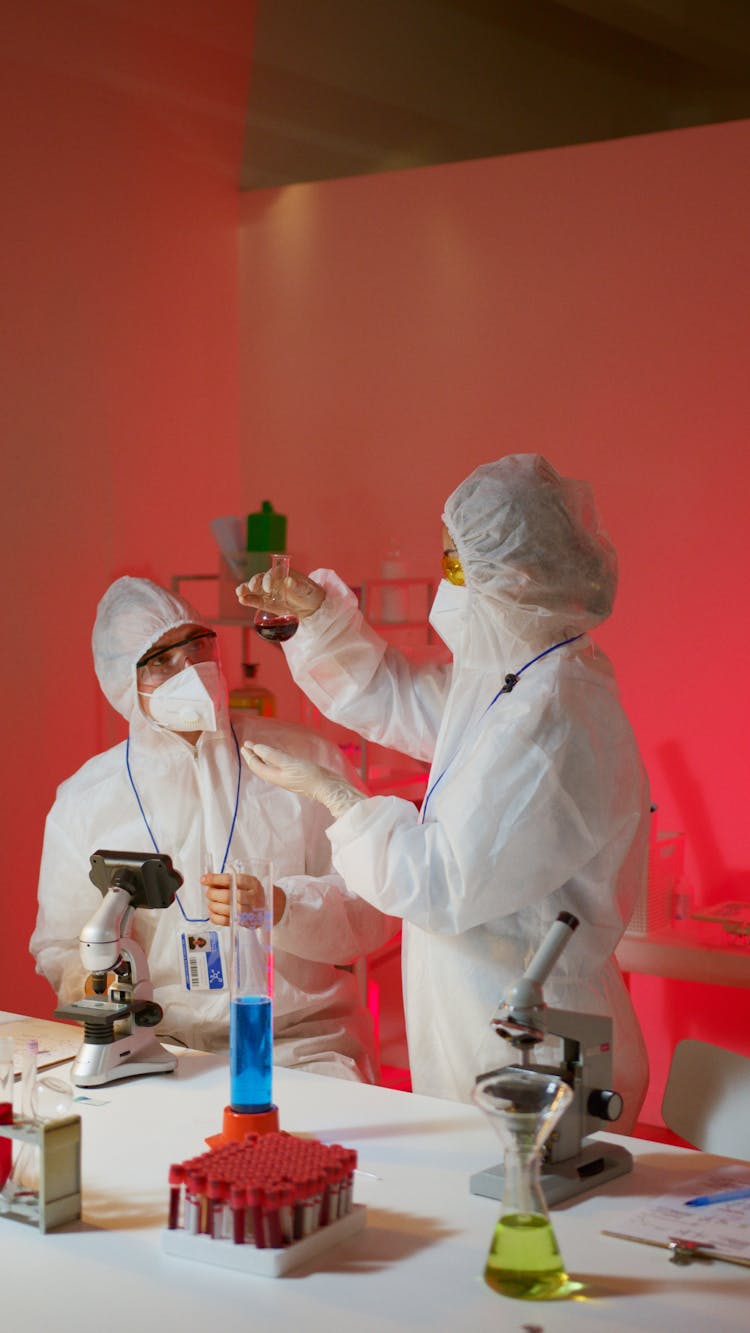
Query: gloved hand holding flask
300, 595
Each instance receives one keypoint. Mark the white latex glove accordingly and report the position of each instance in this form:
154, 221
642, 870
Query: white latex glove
297, 593
300, 775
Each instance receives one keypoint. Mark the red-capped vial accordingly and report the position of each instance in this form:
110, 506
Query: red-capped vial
216, 1193
176, 1177
255, 1208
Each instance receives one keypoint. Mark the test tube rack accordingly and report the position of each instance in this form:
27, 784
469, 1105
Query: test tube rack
264, 1205
58, 1199
264, 1263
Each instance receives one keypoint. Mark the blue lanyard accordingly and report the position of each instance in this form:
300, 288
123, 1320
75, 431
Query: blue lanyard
511, 680
194, 920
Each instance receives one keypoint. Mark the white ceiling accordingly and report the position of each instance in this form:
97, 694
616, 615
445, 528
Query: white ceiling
346, 87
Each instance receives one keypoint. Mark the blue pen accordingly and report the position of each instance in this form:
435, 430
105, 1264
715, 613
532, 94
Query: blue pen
724, 1196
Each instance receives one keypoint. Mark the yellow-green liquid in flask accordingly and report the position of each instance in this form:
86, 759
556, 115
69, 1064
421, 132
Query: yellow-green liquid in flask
524, 1260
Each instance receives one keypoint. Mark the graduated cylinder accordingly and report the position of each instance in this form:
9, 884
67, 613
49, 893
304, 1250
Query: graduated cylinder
251, 986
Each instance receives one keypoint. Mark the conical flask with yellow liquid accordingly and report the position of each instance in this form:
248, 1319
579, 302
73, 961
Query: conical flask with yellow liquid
524, 1260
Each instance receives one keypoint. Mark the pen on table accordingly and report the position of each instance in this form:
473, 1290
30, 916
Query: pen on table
723, 1196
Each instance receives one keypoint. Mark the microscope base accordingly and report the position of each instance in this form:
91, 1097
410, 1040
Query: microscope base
594, 1164
96, 1065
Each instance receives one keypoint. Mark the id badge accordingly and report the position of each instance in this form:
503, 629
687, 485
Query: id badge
202, 966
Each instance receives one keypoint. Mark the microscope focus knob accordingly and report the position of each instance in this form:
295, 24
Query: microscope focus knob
605, 1104
147, 1013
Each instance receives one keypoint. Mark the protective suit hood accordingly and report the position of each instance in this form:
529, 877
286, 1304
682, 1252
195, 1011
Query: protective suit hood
133, 615
536, 562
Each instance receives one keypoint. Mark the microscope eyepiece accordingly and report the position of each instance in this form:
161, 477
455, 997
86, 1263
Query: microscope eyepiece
568, 919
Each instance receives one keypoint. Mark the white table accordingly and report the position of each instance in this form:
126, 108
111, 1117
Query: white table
417, 1265
688, 951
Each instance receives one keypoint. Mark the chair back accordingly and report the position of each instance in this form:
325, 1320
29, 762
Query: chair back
707, 1098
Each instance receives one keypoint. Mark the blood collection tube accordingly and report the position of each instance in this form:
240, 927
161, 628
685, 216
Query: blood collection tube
237, 1202
195, 1186
271, 1205
318, 1200
216, 1194
176, 1177
351, 1166
255, 1210
286, 1211
330, 1206
301, 1192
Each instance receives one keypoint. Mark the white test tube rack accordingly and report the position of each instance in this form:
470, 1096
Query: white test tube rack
58, 1199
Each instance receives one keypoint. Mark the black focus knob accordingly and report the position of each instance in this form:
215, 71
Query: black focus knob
605, 1104
147, 1013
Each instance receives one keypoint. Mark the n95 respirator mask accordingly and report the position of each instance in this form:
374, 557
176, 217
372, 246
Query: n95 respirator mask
448, 613
188, 701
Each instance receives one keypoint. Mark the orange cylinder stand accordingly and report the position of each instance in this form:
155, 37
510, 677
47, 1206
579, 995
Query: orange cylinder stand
238, 1124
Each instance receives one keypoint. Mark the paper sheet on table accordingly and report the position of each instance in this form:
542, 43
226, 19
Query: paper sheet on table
57, 1041
723, 1226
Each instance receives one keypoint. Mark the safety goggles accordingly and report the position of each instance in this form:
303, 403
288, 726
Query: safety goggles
161, 663
452, 569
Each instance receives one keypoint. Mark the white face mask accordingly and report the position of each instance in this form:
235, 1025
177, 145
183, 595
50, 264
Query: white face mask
188, 701
448, 613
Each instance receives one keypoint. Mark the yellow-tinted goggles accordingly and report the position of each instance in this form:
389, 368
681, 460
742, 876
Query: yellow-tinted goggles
452, 569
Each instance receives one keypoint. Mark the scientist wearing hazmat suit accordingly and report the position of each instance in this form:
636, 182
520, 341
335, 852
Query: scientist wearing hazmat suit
537, 801
178, 786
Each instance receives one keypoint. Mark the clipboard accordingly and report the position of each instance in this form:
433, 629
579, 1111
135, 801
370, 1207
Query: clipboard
57, 1041
683, 1251
719, 1230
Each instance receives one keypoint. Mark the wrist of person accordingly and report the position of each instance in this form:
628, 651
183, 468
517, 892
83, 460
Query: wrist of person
339, 796
279, 904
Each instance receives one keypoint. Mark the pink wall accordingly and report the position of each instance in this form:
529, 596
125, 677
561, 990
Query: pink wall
118, 245
396, 330
591, 303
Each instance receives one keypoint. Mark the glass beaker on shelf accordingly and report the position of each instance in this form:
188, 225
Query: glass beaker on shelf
523, 1106
277, 623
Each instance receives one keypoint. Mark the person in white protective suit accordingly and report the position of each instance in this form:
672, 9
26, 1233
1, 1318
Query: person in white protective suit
178, 786
537, 800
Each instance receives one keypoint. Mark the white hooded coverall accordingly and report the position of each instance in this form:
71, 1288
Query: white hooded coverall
537, 803
188, 796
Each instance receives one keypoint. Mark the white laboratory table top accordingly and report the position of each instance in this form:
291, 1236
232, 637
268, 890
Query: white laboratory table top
417, 1265
688, 951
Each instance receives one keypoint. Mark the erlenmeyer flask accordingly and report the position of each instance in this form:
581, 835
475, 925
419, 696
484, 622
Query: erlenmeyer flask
524, 1261
278, 622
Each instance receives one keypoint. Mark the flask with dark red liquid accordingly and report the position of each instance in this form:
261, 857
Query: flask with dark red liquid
277, 622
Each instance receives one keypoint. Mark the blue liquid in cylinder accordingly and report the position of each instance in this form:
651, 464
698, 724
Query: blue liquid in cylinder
250, 1053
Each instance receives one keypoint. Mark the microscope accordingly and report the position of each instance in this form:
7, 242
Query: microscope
118, 1041
583, 1059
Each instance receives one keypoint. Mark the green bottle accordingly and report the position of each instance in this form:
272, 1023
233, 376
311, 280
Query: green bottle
266, 530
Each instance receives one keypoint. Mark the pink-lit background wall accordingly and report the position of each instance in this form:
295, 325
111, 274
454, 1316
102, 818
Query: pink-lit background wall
351, 350
119, 350
591, 303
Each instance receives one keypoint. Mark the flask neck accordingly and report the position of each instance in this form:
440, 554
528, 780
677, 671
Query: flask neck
522, 1189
